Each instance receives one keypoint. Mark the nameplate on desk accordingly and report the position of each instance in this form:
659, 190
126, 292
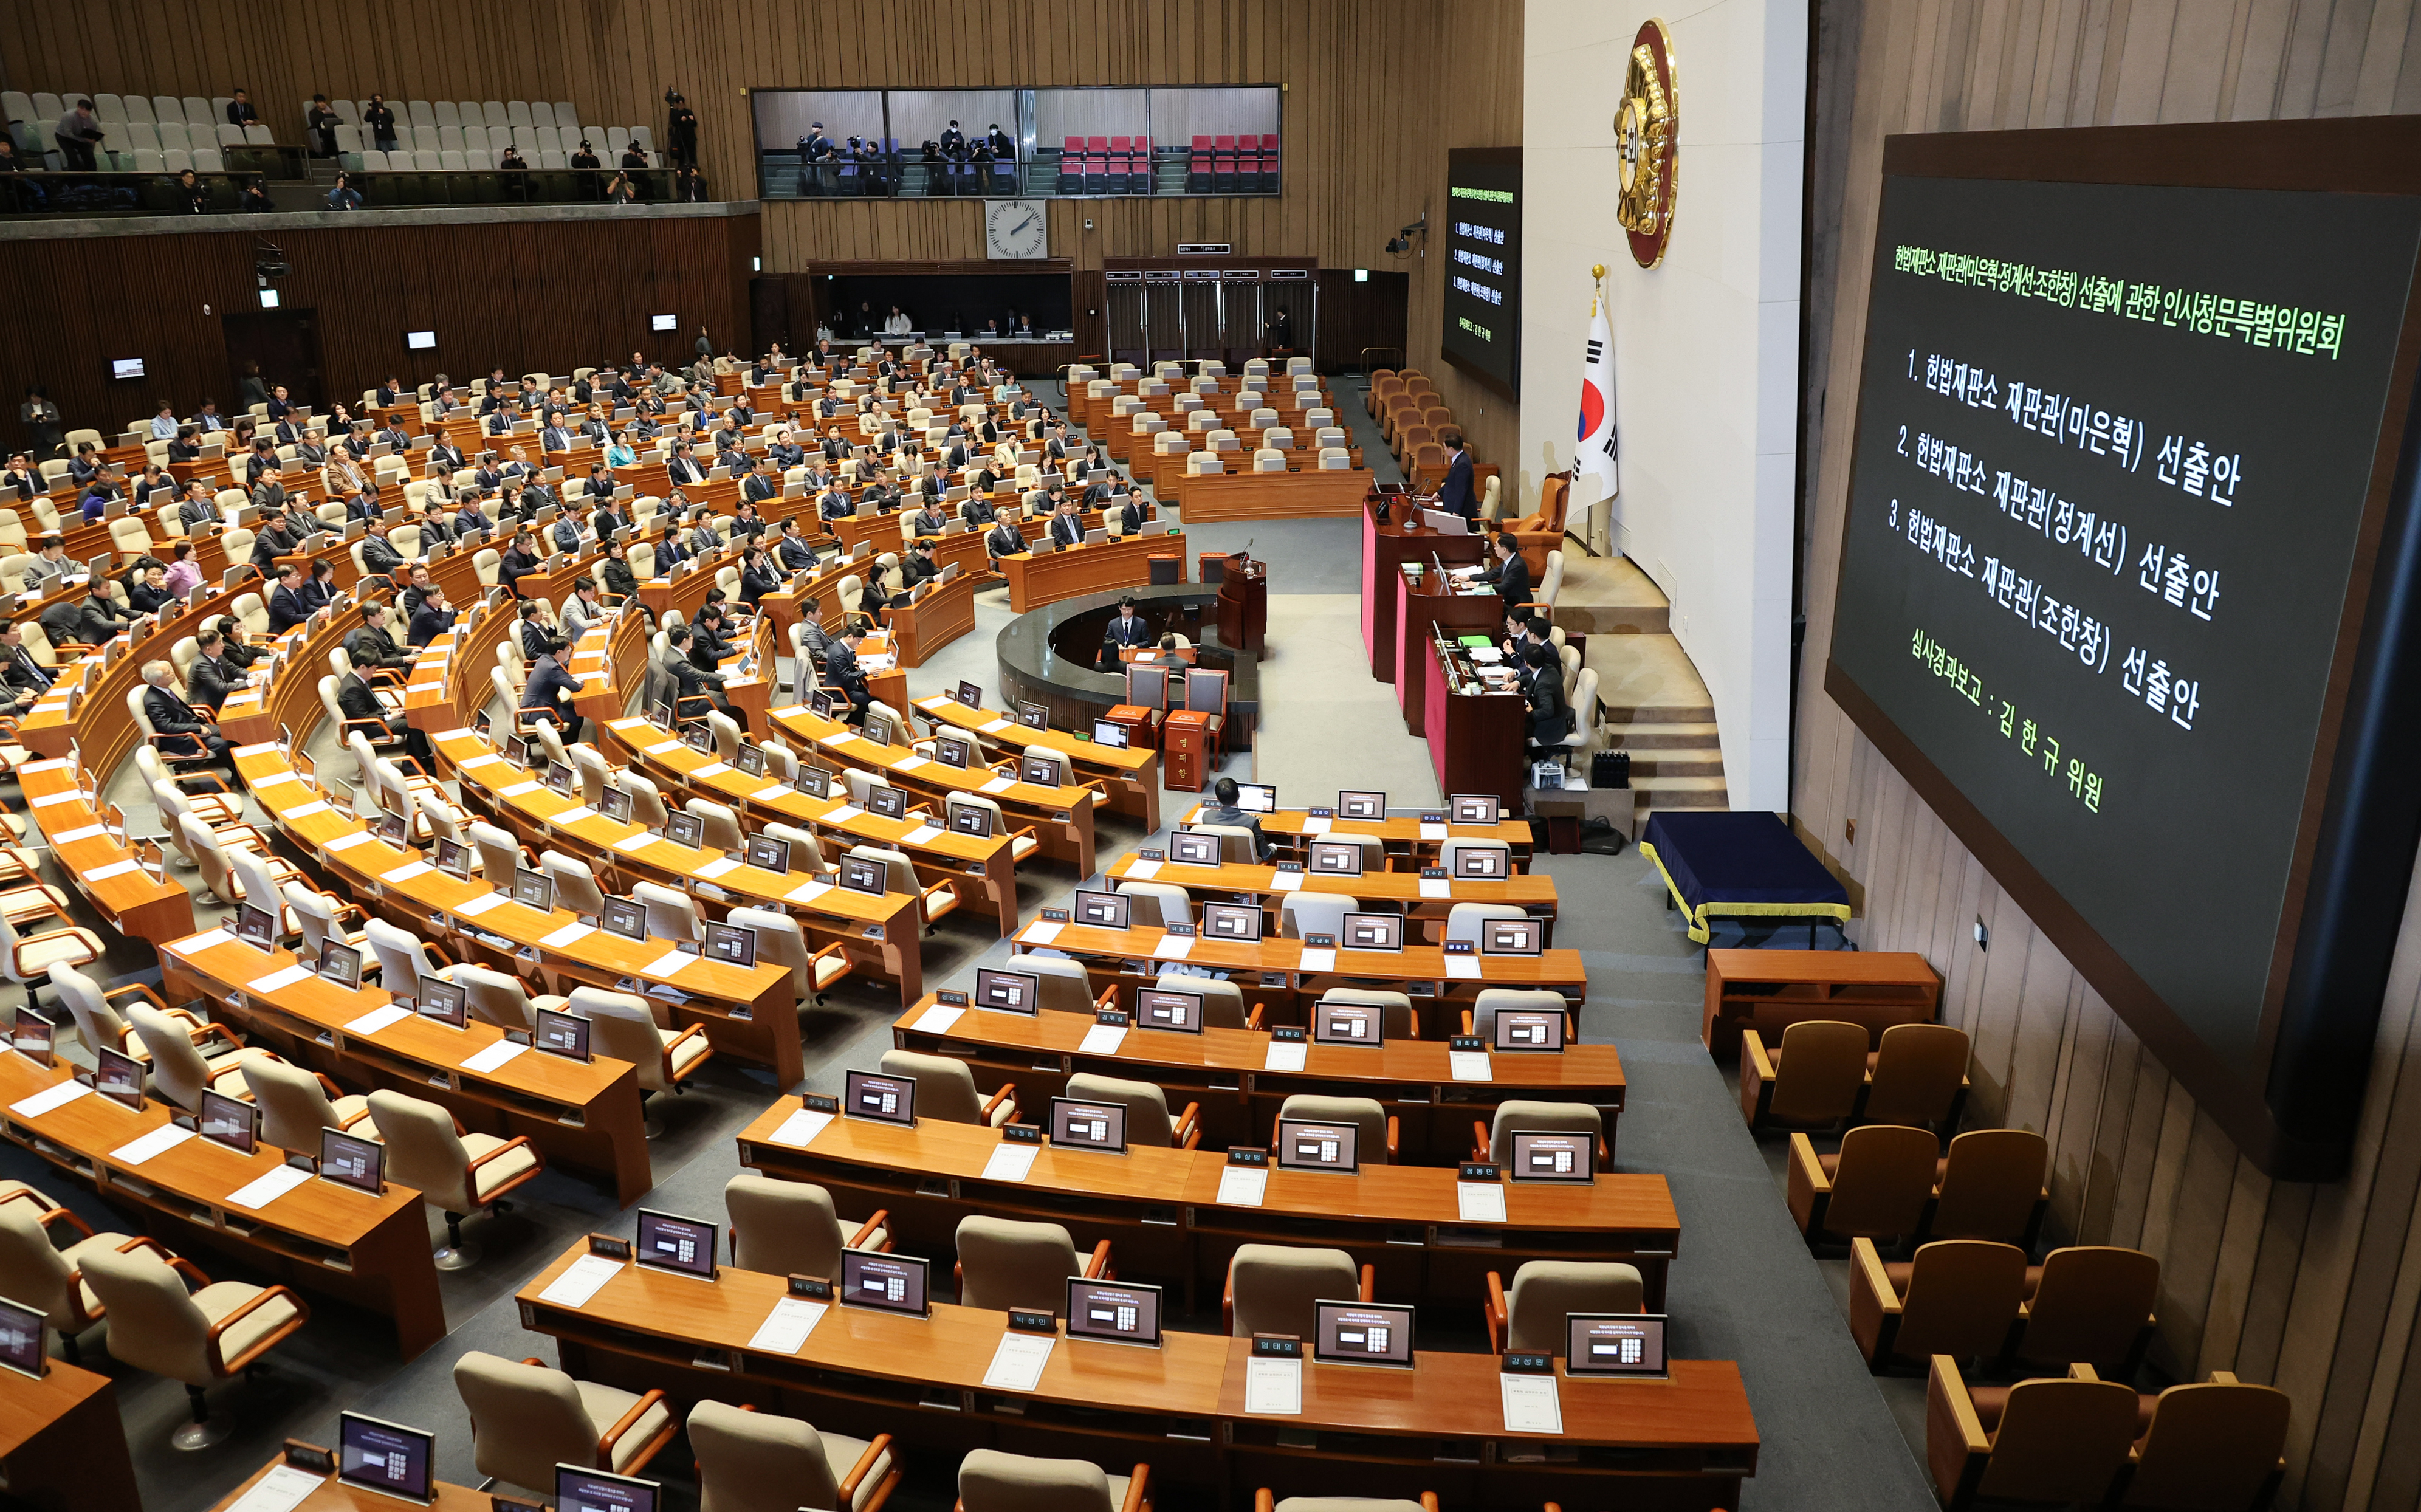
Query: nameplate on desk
610, 1247
820, 1102
1021, 1133
951, 997
1434, 826
1435, 883
1023, 1321
309, 1457
1528, 1363
816, 1287
1480, 1170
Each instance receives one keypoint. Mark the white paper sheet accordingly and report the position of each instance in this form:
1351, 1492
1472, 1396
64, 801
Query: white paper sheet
712, 769
808, 891
1479, 1202
136, 1151
482, 759
493, 1056
1010, 1162
471, 907
1284, 1055
1532, 1404
572, 815
1285, 882
667, 965
49, 798
909, 763
787, 1327
1041, 933
1462, 968
519, 788
843, 814
661, 747
1469, 1065
1273, 1388
303, 811
276, 777
70, 836
118, 868
203, 941
407, 872
1173, 947
921, 834
998, 784
1437, 887
1241, 1186
267, 1188
378, 1018
279, 981
799, 1129
282, 1490
346, 842
1316, 961
569, 934
995, 727
1433, 831
1017, 1365
1143, 871
938, 1019
1317, 825
581, 1281
48, 1099
633, 844
1102, 1039
719, 867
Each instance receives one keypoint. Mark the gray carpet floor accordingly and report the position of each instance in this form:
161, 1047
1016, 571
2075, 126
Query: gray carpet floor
1743, 1286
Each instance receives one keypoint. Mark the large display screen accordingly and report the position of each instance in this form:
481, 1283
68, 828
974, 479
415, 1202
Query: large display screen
1481, 277
2120, 583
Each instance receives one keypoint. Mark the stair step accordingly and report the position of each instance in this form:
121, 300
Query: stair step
1654, 736
1681, 792
1635, 714
1668, 764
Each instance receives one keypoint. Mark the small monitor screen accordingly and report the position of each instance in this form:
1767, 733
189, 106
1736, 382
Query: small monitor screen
119, 1075
1113, 736
562, 1033
559, 778
1472, 808
25, 1345
454, 859
126, 368
1156, 1008
348, 1161
815, 782
1305, 1144
731, 944
669, 1243
891, 802
1354, 806
954, 751
1032, 716
517, 750
1348, 1023
1257, 798
420, 340
33, 1036
971, 694
1006, 992
890, 1100
443, 1001
1233, 921
1552, 1155
1194, 848
594, 1490
340, 964
877, 728
663, 322
1372, 931
1089, 1125
1335, 857
750, 759
1362, 1334
1109, 911
1120, 1312
1042, 771
257, 926
893, 1282
1512, 937
386, 1457
972, 820
534, 888
821, 702
615, 805
860, 875
1527, 1030
390, 828
1614, 1344
1486, 863
769, 852
230, 1121
626, 918
685, 828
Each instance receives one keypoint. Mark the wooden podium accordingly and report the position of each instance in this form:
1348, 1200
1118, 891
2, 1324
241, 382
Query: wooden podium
1244, 604
1185, 750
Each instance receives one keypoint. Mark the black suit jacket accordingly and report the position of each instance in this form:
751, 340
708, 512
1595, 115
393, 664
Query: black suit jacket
1455, 495
1122, 631
210, 681
21, 671
1513, 582
1067, 530
170, 714
286, 610
1005, 540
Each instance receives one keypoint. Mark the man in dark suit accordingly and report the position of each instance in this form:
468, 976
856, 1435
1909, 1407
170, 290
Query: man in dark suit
210, 679
793, 550
690, 680
1067, 525
434, 617
1127, 629
843, 677
27, 679
550, 690
442, 451
919, 565
1510, 574
762, 484
1003, 539
380, 556
189, 734
555, 438
198, 507
371, 646
681, 468
356, 699
286, 606
1455, 495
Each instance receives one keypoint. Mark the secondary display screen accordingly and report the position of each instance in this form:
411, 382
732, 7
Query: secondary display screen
1348, 1023
1362, 1334
1231, 921
228, 1121
25, 1345
1107, 909
670, 1243
594, 1490
1093, 1126
1547, 1156
1194, 849
895, 1283
1482, 240
1304, 1145
386, 1457
1159, 1010
1373, 932
2116, 548
890, 1100
1117, 1311
1007, 992
1614, 1344
351, 1162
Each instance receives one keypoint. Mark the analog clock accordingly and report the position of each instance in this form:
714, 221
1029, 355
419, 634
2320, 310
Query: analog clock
1647, 132
1014, 228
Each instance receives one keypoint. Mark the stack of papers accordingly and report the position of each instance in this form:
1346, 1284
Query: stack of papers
1241, 1186
1017, 1365
1010, 1162
799, 1129
267, 1188
787, 1327
581, 1281
1103, 1039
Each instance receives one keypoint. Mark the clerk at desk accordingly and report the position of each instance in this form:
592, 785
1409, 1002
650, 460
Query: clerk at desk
1510, 574
1125, 631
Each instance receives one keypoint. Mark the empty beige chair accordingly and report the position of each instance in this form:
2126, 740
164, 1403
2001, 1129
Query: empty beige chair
2045, 1441
456, 1173
575, 883
1481, 1018
788, 1229
780, 942
1301, 913
402, 959
212, 1334
722, 822
1955, 1297
527, 1419
1398, 1020
1812, 1079
1917, 1075
29, 959
294, 1106
180, 1071
1004, 1263
763, 1463
38, 1271
1270, 1287
1223, 1002
625, 1029
1991, 1186
98, 1023
319, 918
991, 1481
1530, 1314
1877, 1187
672, 914
946, 1090
500, 855
1463, 921
1066, 987
1147, 1105
1158, 904
501, 998
1493, 1140
1375, 1139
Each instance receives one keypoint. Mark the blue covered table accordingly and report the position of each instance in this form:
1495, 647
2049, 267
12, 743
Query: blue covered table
1723, 865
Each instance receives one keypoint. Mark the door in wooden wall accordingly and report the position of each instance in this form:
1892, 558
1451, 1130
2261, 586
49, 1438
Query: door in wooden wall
286, 344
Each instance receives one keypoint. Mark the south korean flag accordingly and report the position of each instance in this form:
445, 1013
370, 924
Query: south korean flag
1594, 455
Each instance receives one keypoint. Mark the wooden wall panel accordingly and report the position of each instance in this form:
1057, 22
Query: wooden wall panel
2315, 1288
526, 295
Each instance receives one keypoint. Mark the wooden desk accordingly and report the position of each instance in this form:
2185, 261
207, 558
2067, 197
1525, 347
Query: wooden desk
1385, 548
1233, 882
1313, 494
1478, 739
585, 1117
62, 1445
1769, 990
320, 1238
1424, 609
1131, 775
1162, 1207
1293, 830
139, 905
1034, 581
1226, 1071
941, 615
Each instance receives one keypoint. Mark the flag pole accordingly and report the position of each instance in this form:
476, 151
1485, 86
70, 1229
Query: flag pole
1597, 298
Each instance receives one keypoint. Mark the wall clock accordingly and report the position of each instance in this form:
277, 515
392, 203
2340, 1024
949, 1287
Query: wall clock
1647, 129
1015, 230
